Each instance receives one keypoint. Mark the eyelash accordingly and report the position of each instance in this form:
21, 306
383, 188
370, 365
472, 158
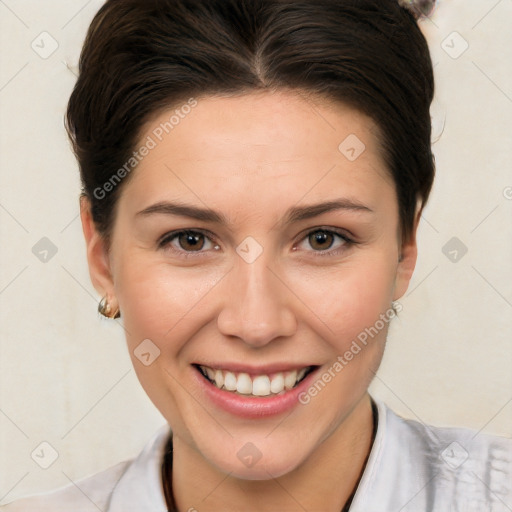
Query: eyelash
165, 242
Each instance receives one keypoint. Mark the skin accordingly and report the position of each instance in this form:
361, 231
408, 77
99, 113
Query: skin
252, 158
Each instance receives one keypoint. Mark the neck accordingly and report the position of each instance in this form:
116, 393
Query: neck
325, 481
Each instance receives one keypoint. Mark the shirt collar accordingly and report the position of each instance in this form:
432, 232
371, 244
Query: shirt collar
140, 487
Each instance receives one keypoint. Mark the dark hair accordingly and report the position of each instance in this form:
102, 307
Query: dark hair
143, 56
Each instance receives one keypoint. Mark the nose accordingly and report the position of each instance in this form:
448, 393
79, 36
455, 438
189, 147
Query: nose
257, 305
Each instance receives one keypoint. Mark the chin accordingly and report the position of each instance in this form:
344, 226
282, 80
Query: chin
261, 460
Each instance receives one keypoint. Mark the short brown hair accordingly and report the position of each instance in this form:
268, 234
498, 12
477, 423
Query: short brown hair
142, 56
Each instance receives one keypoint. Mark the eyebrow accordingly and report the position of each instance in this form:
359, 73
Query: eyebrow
294, 214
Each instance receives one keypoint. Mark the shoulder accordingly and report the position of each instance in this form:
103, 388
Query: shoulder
452, 447
448, 465
130, 486
89, 494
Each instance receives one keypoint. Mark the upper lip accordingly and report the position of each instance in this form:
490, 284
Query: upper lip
255, 370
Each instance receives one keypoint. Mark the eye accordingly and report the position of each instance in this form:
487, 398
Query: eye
325, 241
187, 241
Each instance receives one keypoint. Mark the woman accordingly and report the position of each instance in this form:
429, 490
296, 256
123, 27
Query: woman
254, 172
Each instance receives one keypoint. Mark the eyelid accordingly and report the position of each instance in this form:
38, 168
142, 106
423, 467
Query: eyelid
343, 233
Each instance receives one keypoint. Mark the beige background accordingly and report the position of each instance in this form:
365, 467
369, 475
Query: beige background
65, 375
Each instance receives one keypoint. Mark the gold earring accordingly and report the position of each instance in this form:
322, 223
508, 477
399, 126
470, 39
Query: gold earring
105, 309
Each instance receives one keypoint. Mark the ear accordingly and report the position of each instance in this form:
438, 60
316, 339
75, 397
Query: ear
97, 254
407, 261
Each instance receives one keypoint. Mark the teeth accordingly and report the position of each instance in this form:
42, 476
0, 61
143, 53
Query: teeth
277, 383
209, 372
219, 379
230, 381
290, 378
244, 384
260, 385
301, 373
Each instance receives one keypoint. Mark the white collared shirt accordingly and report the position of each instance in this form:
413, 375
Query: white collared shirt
411, 468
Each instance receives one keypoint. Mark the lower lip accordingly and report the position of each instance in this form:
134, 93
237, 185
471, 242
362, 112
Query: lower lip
250, 406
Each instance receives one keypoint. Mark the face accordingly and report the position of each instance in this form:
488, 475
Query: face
254, 253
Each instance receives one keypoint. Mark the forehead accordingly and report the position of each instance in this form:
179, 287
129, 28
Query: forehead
259, 146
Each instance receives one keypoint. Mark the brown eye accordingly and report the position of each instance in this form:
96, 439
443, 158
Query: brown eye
321, 240
187, 243
191, 241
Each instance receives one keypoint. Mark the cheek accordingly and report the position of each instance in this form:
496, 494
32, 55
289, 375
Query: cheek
161, 302
349, 300
166, 305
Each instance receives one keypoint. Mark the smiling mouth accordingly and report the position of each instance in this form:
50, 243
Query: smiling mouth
256, 385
